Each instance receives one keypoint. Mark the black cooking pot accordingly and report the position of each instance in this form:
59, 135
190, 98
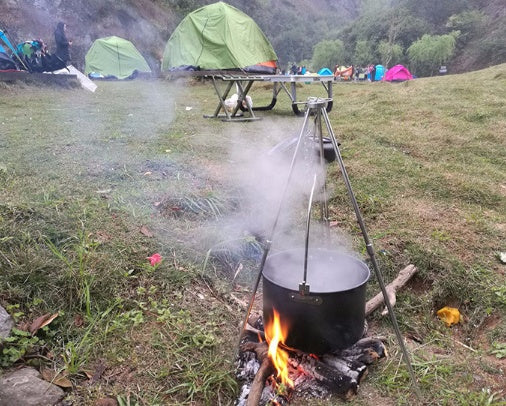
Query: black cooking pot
327, 312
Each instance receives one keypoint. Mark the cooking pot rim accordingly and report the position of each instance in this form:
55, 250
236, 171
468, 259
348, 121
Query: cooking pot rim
360, 266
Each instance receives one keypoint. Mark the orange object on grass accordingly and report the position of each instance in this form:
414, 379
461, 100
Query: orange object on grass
449, 315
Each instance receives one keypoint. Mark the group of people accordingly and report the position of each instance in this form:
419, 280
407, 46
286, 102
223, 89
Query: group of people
297, 70
356, 72
36, 58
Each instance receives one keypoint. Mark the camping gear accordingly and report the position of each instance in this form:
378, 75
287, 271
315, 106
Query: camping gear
343, 72
219, 37
85, 82
243, 85
115, 58
3, 37
316, 107
331, 315
397, 73
325, 72
379, 73
6, 62
35, 57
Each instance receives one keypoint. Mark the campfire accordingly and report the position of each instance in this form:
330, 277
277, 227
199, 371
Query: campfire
314, 342
272, 373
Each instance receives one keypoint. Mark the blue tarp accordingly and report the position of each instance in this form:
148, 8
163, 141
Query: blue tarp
325, 72
6, 41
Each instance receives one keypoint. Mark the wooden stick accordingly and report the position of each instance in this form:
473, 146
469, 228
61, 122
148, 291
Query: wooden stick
257, 386
403, 277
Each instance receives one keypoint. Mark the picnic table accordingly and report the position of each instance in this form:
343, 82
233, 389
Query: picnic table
243, 83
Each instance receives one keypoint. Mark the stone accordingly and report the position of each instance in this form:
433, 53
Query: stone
25, 388
6, 323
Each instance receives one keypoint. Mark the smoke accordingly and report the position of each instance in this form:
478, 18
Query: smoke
276, 184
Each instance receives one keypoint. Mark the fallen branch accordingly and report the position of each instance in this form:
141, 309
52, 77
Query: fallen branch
403, 277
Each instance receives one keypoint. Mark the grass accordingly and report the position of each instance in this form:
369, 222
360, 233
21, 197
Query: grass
93, 184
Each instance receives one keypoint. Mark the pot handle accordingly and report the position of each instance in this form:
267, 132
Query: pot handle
303, 286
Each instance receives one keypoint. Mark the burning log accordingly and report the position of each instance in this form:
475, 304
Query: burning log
339, 373
333, 379
266, 369
403, 277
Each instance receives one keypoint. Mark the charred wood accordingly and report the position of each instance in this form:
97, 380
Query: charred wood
332, 379
266, 369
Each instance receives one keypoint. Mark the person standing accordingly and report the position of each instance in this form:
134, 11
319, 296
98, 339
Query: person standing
62, 42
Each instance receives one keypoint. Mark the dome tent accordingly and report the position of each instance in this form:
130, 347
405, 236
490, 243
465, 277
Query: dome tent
397, 73
325, 72
114, 57
219, 37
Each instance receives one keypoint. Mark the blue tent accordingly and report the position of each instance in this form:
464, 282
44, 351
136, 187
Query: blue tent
325, 72
380, 72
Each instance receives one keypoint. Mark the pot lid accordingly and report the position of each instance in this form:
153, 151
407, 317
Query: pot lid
327, 271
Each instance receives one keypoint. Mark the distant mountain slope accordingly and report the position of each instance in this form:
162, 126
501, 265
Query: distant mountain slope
292, 26
145, 23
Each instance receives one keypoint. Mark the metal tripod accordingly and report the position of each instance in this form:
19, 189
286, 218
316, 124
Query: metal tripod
317, 107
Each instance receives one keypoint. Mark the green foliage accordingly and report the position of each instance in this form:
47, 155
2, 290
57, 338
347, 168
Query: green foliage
328, 53
16, 346
391, 54
468, 23
499, 350
430, 52
363, 54
436, 13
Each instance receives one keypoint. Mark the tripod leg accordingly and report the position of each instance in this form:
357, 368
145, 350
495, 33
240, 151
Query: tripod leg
275, 224
372, 255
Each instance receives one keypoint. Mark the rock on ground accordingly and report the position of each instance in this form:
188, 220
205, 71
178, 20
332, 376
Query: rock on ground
6, 323
24, 388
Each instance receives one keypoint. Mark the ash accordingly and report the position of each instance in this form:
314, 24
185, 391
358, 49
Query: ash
334, 374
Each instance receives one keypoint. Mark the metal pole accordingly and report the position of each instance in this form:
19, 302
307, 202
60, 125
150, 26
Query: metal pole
370, 251
274, 226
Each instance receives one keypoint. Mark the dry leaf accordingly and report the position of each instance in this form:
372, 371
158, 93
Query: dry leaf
87, 372
146, 231
42, 321
59, 379
106, 402
78, 320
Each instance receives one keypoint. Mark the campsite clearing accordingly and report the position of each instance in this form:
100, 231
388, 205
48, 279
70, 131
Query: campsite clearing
95, 183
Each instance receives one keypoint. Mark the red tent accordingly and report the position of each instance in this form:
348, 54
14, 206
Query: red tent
397, 73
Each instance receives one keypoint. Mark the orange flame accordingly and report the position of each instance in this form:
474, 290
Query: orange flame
275, 334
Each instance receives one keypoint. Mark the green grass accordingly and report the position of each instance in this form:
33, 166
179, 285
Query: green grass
93, 184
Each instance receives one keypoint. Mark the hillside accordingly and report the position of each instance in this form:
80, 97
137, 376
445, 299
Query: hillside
293, 27
149, 23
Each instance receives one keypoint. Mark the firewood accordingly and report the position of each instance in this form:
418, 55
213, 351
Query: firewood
403, 277
334, 380
266, 369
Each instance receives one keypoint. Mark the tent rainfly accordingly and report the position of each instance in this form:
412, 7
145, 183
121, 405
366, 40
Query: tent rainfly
114, 57
219, 37
397, 73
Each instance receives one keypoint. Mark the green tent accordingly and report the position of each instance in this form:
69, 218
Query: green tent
216, 37
114, 57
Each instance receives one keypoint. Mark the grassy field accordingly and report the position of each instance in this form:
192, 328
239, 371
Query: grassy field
94, 183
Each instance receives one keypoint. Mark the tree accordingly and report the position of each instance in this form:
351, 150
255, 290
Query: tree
328, 53
430, 52
391, 54
468, 23
363, 53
